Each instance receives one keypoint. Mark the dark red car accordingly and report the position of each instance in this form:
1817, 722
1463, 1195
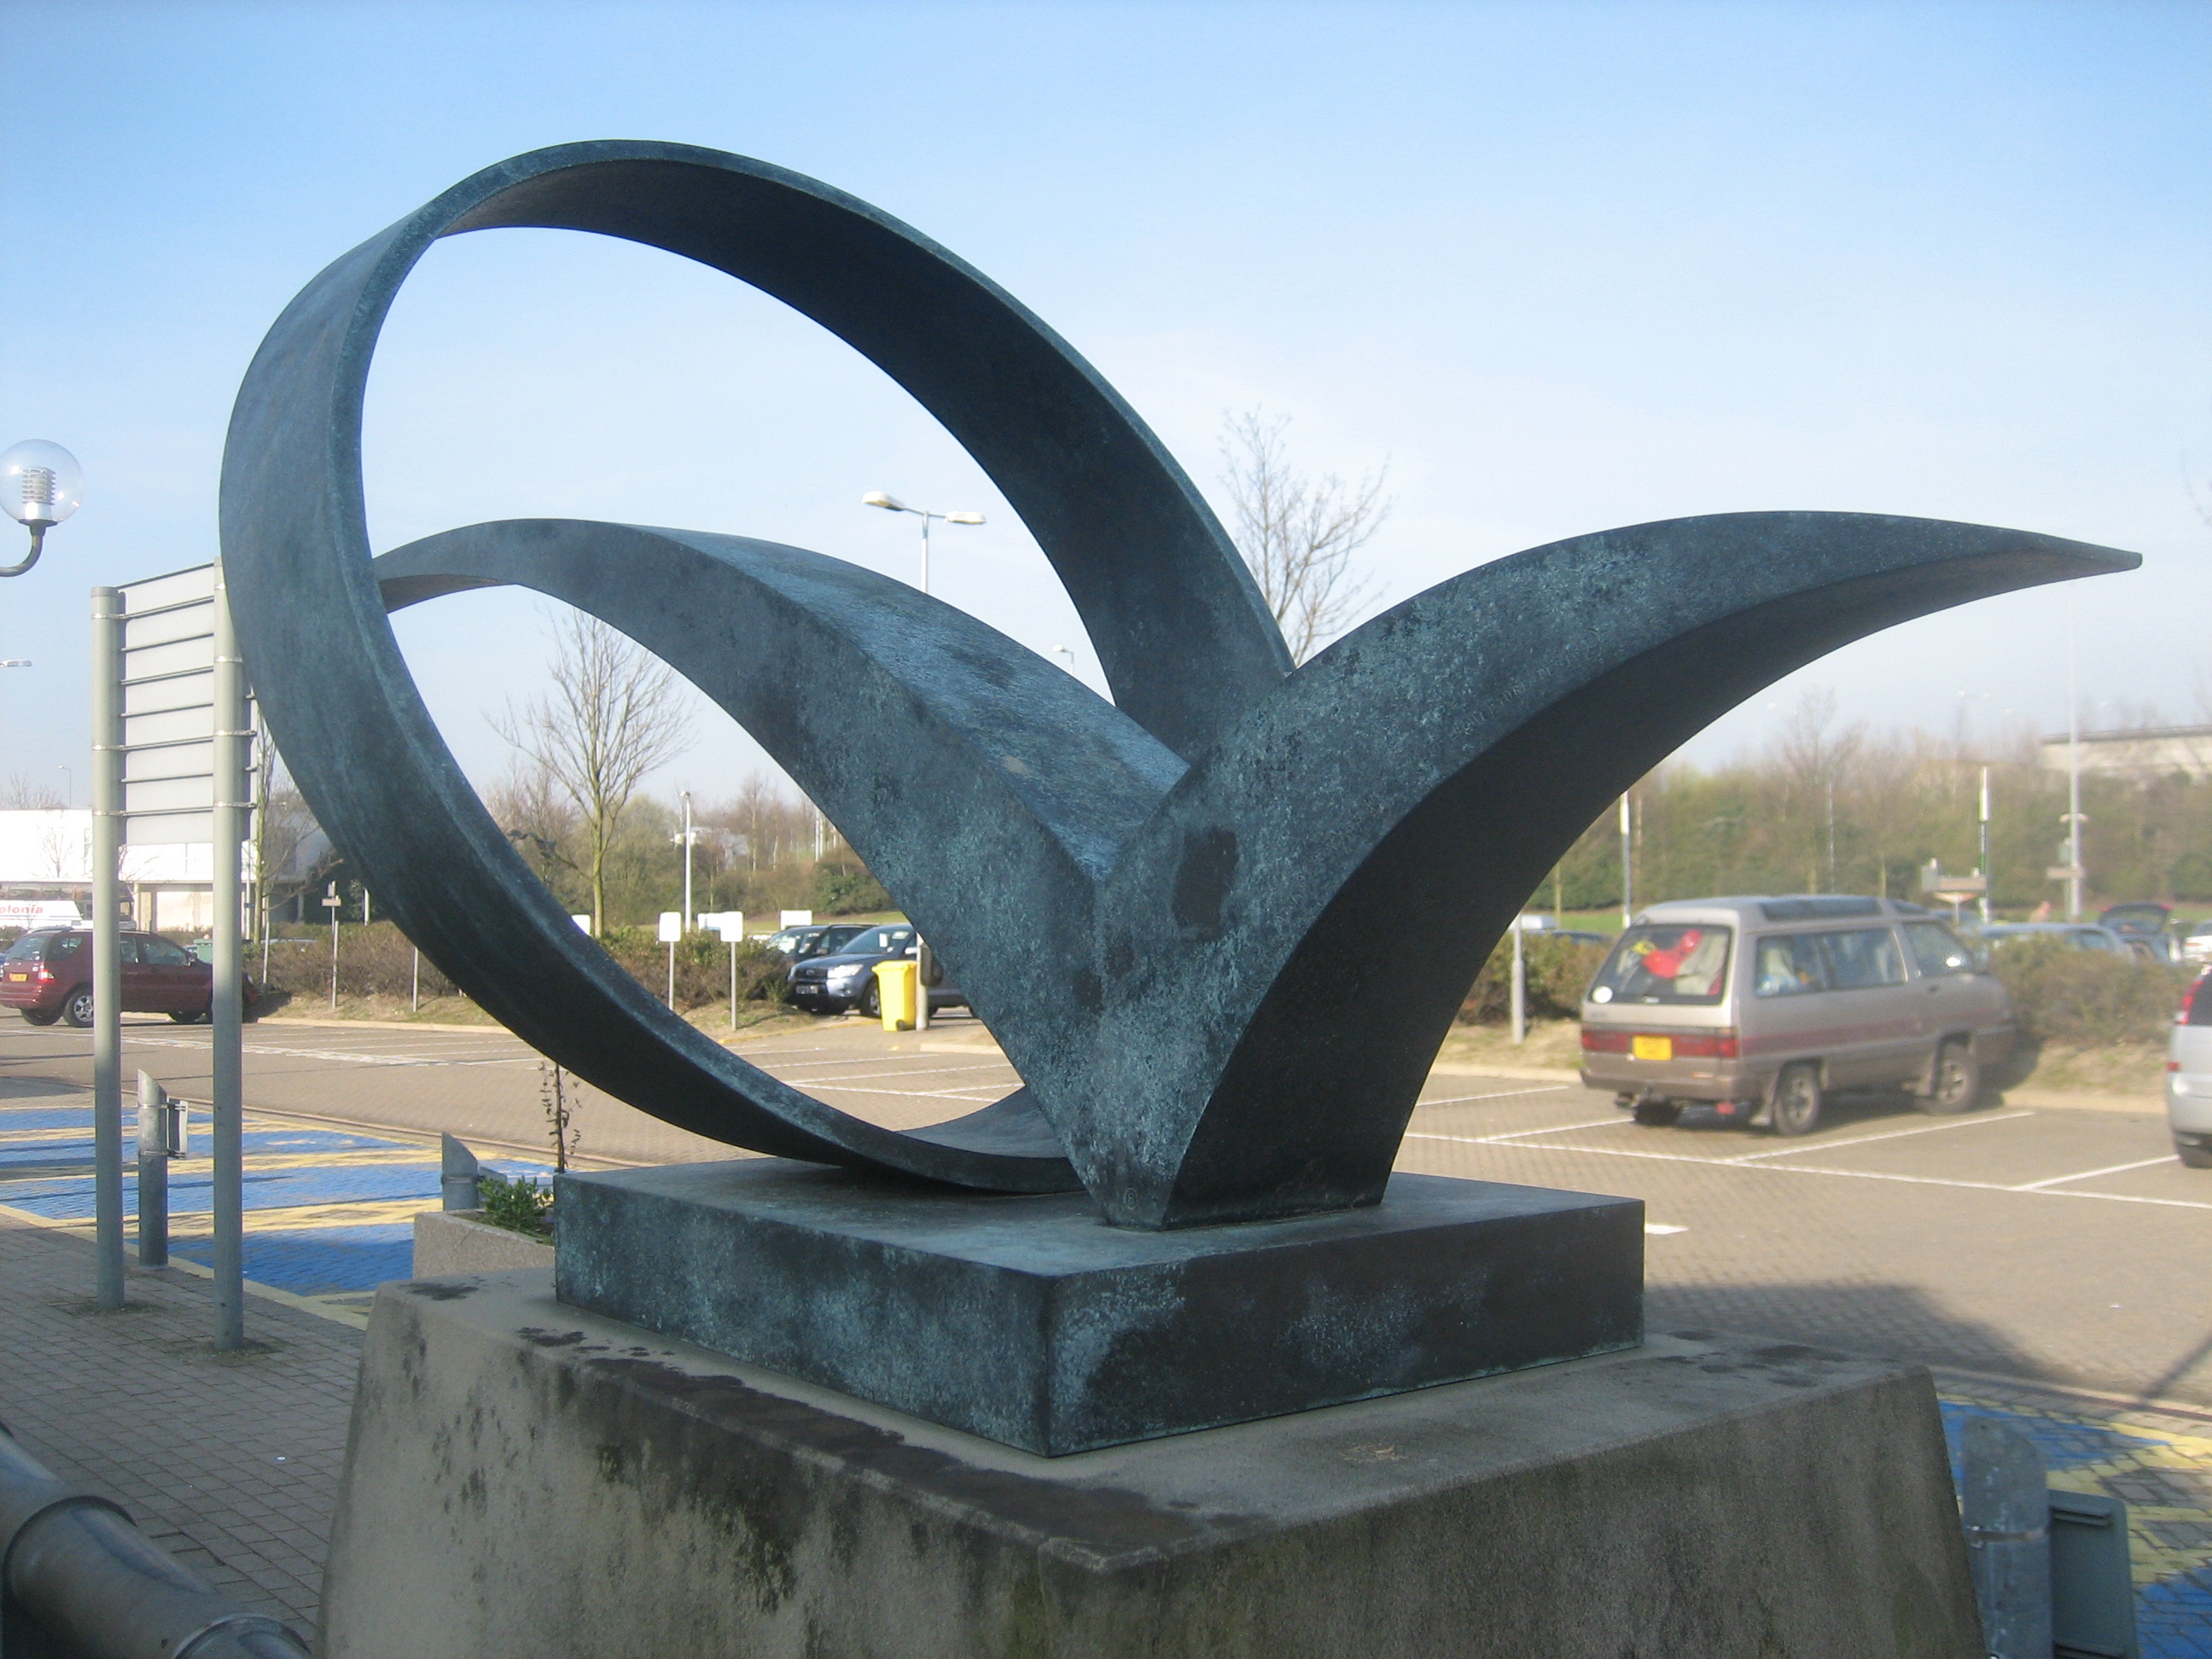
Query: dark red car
47, 975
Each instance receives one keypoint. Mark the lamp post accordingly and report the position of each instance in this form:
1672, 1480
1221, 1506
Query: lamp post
41, 484
892, 504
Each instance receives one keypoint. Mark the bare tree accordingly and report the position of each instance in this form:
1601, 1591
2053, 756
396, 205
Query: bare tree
1816, 760
613, 715
21, 795
1298, 534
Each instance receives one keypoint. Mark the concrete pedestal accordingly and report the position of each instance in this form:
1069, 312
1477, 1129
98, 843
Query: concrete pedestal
526, 1478
1028, 1319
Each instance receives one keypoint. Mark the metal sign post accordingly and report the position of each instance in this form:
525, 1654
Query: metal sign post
107, 942
233, 774
172, 763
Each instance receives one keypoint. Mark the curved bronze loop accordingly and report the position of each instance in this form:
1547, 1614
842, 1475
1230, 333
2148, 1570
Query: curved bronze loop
1221, 927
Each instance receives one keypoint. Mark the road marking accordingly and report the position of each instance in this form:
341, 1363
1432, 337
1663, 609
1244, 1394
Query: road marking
1503, 1094
1814, 1168
1559, 1129
926, 1071
1860, 1140
2090, 1175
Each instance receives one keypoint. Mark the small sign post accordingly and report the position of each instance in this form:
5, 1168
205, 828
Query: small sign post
672, 930
730, 925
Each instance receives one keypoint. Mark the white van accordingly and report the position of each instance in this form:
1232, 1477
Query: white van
1760, 1007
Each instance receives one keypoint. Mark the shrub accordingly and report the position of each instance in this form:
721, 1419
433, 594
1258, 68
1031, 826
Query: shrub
517, 1203
848, 890
702, 967
2087, 999
1558, 971
373, 961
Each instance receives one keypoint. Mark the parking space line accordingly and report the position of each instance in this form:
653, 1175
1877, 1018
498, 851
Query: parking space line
1503, 1094
2090, 1175
1557, 1129
1892, 1135
924, 1071
1814, 1168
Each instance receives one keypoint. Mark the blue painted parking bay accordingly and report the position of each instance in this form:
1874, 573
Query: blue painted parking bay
329, 1213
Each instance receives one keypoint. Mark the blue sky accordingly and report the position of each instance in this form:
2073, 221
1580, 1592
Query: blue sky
1560, 267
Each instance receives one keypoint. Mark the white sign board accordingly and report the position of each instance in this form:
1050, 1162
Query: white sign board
797, 919
168, 710
729, 924
37, 913
671, 927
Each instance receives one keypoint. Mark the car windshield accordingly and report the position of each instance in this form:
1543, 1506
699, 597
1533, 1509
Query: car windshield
880, 941
1664, 963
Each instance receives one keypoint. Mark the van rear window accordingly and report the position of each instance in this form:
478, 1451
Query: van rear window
1667, 964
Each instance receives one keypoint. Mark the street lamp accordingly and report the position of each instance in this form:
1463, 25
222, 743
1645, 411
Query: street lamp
892, 504
41, 484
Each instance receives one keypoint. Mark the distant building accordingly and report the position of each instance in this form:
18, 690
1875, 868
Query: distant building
2145, 752
47, 855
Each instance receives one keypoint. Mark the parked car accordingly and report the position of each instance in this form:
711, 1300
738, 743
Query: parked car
2081, 935
48, 975
1762, 1008
846, 980
818, 939
2144, 927
2189, 1075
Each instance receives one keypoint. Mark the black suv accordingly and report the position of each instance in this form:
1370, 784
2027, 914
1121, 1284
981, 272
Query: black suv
818, 940
846, 980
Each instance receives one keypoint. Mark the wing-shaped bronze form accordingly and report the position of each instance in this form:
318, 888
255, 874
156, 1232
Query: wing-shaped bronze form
1221, 925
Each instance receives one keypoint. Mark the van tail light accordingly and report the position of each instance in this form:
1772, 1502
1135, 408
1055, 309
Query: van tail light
1604, 1042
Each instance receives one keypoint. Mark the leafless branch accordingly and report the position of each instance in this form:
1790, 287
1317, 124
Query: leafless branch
614, 715
1298, 534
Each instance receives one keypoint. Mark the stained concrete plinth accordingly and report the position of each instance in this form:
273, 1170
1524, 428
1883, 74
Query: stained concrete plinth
462, 1241
525, 1479
1026, 1318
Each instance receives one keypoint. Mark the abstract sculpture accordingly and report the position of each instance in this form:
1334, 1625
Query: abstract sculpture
1219, 925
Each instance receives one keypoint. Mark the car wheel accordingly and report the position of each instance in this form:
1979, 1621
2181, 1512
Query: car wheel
78, 1010
2195, 1157
871, 1004
190, 1016
39, 1017
1797, 1101
1956, 1085
1658, 1114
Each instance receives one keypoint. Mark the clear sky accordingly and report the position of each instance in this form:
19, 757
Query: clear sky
1560, 266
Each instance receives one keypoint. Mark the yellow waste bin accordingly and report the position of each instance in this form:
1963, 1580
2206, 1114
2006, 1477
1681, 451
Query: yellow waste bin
898, 985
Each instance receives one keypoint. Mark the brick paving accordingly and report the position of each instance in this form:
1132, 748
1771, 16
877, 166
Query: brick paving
229, 1461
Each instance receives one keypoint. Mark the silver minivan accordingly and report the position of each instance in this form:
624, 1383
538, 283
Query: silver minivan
1761, 1007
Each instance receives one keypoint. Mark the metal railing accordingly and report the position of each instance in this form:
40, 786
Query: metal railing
94, 1587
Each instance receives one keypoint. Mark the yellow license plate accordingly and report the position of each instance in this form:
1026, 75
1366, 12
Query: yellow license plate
21, 977
1647, 1048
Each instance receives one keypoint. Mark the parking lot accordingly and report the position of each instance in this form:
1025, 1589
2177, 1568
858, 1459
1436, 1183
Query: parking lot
2012, 1248
2062, 1246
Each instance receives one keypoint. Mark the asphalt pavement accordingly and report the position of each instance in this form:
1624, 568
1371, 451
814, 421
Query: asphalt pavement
2046, 1261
